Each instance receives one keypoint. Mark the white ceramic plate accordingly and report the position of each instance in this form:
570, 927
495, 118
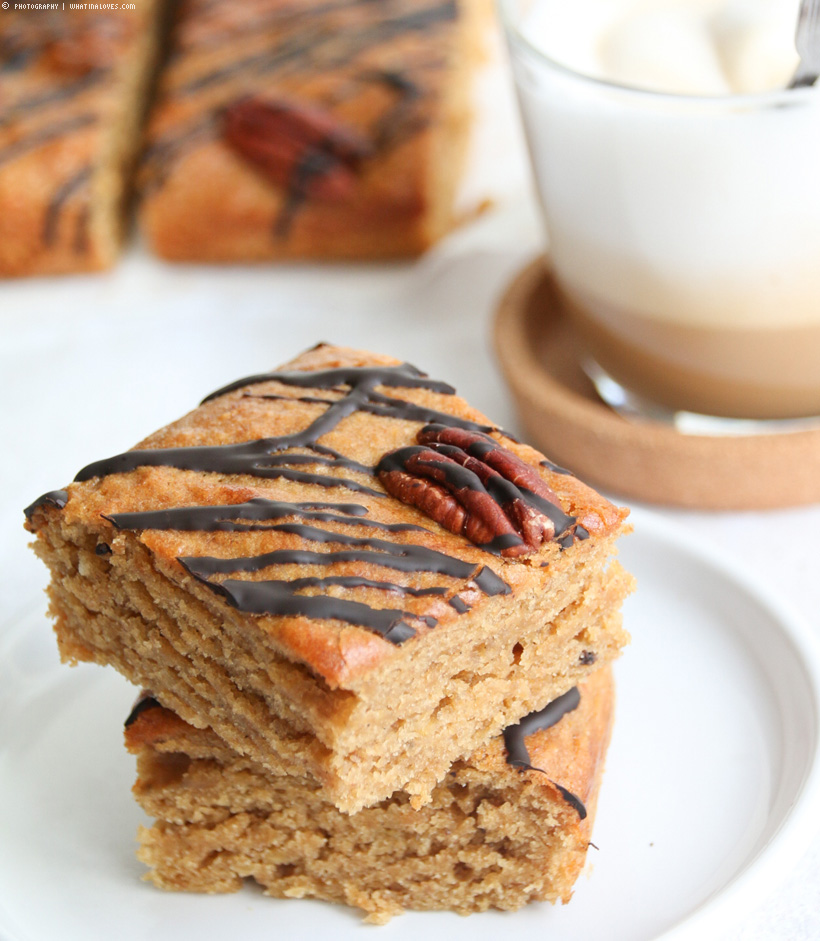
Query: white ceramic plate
712, 788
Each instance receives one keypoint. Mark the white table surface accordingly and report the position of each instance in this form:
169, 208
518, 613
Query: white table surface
89, 365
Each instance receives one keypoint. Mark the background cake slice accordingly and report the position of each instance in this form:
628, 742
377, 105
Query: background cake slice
307, 564
492, 836
295, 129
72, 97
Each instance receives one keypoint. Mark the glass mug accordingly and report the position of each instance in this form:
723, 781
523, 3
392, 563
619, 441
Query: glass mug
684, 234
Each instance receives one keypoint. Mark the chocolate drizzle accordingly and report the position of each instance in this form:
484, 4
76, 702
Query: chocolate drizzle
255, 457
143, 703
277, 597
250, 517
55, 498
72, 186
284, 49
42, 136
515, 739
318, 522
272, 457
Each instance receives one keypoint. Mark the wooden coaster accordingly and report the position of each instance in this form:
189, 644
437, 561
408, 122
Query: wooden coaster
565, 418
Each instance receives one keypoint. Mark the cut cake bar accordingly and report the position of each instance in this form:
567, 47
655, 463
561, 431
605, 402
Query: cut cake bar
73, 89
296, 129
340, 567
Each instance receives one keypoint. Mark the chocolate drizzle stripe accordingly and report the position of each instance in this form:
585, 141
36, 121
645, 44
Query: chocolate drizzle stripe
63, 194
515, 735
44, 136
25, 107
556, 468
404, 376
397, 556
575, 802
250, 517
515, 740
278, 598
55, 498
253, 457
317, 44
144, 702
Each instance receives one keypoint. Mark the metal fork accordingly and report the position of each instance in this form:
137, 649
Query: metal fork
807, 40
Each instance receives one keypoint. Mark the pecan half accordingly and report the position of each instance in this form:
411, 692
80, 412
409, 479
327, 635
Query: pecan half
450, 494
488, 450
299, 147
471, 485
534, 527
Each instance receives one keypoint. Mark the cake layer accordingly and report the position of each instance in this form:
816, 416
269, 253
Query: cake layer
492, 836
72, 96
295, 129
360, 642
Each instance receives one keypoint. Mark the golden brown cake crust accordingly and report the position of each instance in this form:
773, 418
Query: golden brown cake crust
221, 185
70, 98
339, 653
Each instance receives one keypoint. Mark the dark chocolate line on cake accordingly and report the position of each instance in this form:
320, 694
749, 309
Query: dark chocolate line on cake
279, 598
143, 703
26, 107
251, 457
515, 735
404, 376
315, 45
555, 468
81, 234
55, 498
32, 141
398, 556
62, 195
515, 740
232, 517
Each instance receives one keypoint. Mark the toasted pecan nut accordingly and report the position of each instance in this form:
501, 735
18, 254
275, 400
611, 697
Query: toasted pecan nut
450, 494
505, 506
488, 450
300, 147
532, 525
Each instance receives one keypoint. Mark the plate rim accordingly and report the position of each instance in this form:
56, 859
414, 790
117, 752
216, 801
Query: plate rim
760, 876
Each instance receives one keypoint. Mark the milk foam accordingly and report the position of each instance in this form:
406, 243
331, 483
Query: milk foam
691, 47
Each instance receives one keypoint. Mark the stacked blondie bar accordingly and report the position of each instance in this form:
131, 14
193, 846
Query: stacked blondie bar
376, 633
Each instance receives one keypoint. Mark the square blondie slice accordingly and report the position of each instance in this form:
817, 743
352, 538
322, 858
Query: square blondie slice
296, 129
73, 90
341, 568
506, 825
